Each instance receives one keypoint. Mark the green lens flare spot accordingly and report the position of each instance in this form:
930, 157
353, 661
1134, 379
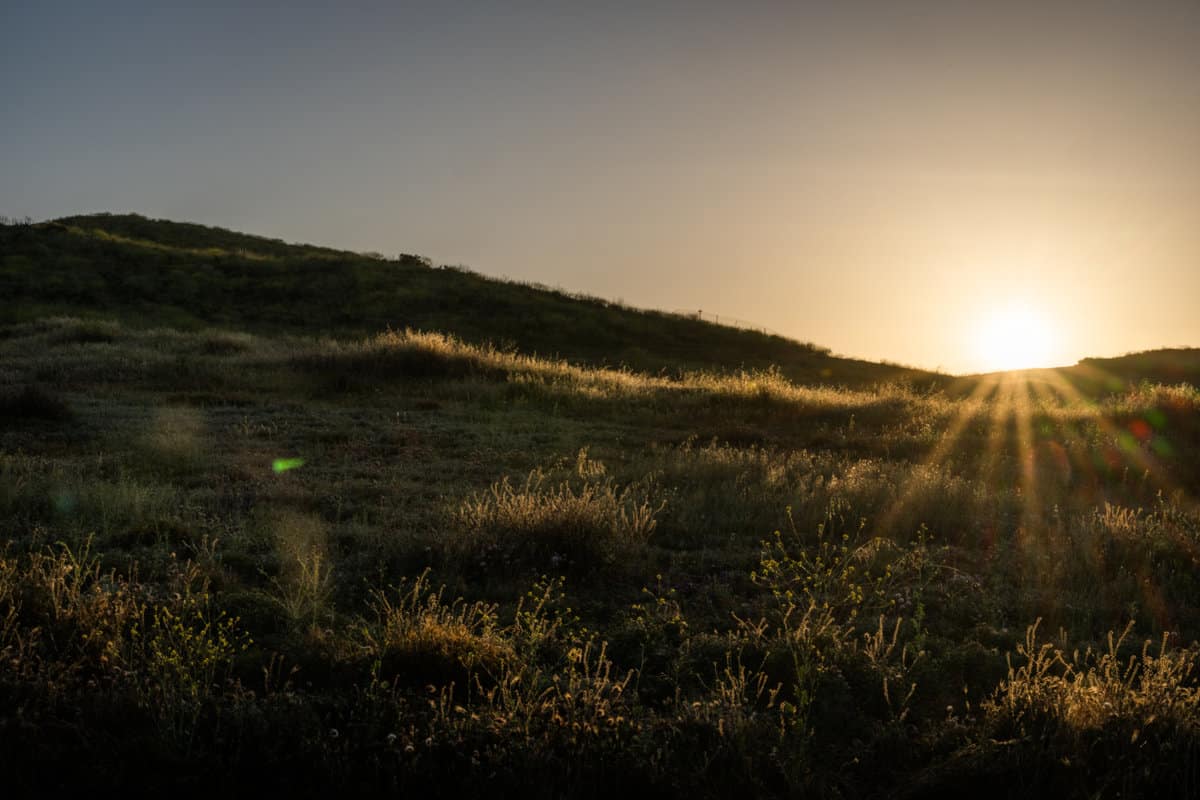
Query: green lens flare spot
284, 464
64, 502
1126, 441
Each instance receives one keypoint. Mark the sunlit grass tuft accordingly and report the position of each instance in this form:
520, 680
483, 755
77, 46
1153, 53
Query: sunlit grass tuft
418, 635
567, 526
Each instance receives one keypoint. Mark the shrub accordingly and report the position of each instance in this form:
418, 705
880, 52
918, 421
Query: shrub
189, 653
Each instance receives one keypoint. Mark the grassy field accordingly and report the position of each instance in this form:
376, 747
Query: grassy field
247, 552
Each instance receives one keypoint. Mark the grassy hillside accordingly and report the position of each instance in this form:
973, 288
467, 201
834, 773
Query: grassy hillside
270, 556
1097, 376
155, 272
411, 563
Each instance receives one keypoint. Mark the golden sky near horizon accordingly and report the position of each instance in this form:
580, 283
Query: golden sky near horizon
953, 185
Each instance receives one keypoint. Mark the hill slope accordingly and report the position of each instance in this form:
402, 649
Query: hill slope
1109, 375
157, 272
1097, 378
221, 561
406, 563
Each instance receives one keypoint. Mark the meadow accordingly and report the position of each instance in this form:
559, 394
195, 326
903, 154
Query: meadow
317, 559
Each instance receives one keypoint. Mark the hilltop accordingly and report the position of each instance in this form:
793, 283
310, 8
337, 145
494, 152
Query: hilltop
1170, 365
162, 273
1096, 378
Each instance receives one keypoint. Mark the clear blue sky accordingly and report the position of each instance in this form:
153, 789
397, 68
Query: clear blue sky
871, 176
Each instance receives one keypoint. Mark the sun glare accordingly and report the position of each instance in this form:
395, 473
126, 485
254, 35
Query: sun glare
1017, 337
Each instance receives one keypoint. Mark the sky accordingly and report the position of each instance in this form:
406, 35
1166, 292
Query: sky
916, 182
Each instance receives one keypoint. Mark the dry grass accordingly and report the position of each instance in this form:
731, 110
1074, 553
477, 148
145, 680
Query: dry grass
919, 534
567, 527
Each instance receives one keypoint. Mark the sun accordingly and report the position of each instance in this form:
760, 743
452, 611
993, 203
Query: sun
1015, 337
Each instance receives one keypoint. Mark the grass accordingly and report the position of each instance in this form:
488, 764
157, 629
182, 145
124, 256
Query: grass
697, 583
32, 402
188, 276
572, 529
416, 634
487, 570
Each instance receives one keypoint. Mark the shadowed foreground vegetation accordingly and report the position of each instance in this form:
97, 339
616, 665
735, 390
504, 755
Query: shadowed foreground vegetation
406, 562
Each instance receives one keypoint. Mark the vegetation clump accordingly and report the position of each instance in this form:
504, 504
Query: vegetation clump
570, 527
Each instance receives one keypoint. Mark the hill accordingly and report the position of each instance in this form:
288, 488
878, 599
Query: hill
331, 559
224, 554
156, 272
1095, 376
